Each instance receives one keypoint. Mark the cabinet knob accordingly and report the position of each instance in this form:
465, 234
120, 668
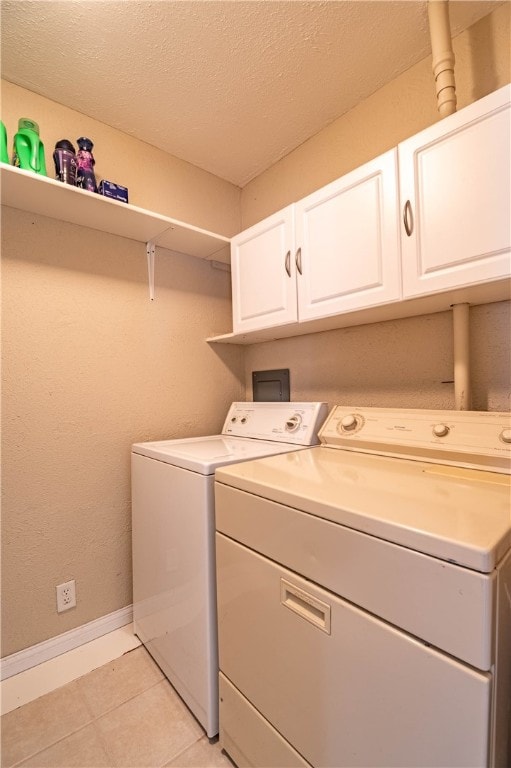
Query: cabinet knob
408, 218
287, 263
298, 260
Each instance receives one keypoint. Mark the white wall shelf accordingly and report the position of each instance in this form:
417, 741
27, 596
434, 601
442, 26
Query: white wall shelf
28, 191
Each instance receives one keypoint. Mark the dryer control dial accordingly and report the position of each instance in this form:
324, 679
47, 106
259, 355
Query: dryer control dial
349, 422
440, 430
293, 423
505, 435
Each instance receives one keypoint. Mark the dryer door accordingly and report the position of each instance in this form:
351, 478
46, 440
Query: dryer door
343, 687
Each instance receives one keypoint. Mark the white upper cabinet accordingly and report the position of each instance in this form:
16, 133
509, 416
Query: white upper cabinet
263, 273
347, 236
334, 251
423, 226
455, 199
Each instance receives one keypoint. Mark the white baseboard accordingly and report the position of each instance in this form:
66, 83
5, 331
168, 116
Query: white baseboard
55, 646
46, 677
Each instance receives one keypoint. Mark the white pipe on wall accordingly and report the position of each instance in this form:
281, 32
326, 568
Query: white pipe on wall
443, 70
460, 320
443, 56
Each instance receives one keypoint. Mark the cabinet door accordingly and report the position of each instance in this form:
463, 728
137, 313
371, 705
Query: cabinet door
263, 274
348, 233
455, 185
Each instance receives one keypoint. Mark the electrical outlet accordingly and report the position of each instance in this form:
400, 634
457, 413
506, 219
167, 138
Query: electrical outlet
66, 596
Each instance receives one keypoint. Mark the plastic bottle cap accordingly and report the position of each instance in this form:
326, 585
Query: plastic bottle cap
65, 144
85, 144
25, 124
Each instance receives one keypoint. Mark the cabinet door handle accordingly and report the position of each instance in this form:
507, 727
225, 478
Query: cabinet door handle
287, 263
408, 218
298, 260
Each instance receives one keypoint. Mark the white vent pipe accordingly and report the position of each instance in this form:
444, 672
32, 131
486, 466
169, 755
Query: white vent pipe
461, 351
443, 71
443, 56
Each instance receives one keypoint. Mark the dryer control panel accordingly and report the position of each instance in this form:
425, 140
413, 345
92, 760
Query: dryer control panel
477, 439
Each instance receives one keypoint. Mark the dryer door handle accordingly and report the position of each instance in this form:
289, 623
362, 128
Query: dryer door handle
305, 605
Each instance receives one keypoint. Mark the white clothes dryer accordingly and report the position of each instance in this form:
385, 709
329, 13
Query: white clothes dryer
364, 590
173, 529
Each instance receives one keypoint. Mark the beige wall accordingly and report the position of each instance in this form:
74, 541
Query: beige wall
90, 365
398, 110
399, 364
402, 363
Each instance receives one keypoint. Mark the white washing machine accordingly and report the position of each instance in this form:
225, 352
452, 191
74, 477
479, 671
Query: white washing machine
364, 595
173, 524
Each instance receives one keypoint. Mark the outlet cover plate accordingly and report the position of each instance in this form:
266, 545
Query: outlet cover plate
66, 596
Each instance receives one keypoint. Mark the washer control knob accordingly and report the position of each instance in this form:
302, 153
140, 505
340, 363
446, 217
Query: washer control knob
244, 420
293, 422
505, 435
440, 430
349, 422
234, 419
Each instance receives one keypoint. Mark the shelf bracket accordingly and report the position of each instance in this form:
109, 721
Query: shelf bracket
150, 250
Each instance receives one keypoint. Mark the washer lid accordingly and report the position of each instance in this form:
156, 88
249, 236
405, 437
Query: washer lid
204, 454
456, 514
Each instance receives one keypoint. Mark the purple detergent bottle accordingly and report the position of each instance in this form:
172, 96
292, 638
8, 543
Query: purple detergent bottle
85, 164
65, 162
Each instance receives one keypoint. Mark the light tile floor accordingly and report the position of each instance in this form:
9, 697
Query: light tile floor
124, 714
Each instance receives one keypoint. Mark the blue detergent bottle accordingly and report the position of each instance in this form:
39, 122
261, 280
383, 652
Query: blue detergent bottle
28, 149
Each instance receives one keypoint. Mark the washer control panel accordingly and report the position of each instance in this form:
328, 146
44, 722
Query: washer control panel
284, 422
480, 439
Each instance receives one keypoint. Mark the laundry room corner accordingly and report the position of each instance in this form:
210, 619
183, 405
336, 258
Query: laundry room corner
256, 383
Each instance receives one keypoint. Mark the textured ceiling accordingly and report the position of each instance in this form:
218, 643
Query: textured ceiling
228, 85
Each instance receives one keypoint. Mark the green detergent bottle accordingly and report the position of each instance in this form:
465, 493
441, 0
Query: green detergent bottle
4, 155
28, 150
